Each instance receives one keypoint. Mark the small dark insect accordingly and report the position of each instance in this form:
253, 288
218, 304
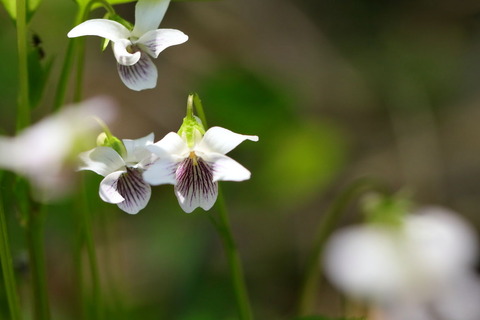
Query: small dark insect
37, 43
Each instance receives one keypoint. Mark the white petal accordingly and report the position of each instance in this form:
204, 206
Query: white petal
171, 145
148, 15
136, 149
102, 160
195, 186
134, 190
221, 140
227, 169
123, 56
155, 41
108, 188
161, 172
140, 76
104, 28
127, 189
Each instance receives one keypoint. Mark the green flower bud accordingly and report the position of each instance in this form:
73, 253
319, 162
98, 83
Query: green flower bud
192, 129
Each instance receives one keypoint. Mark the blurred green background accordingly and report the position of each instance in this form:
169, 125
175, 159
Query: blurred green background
335, 90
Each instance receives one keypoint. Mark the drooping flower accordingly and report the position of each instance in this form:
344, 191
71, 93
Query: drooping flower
422, 269
194, 161
132, 48
44, 152
122, 165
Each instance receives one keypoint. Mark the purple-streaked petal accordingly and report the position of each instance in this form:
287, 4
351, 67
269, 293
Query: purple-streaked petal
170, 146
126, 189
108, 188
227, 169
134, 190
161, 172
102, 160
195, 187
148, 15
220, 140
155, 41
104, 28
140, 76
121, 50
136, 149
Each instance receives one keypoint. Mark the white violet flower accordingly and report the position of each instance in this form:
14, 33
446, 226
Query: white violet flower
422, 269
123, 183
132, 48
44, 153
194, 164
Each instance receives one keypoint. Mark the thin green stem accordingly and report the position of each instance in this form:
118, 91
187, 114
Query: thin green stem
234, 262
76, 47
35, 239
199, 108
23, 116
92, 257
7, 267
329, 221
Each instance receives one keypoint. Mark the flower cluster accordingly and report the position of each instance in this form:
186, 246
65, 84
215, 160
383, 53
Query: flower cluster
192, 160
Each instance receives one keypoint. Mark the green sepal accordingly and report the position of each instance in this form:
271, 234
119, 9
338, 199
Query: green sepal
106, 139
191, 130
388, 210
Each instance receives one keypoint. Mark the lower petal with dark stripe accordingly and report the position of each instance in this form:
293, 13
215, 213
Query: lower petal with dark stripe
142, 75
134, 190
195, 187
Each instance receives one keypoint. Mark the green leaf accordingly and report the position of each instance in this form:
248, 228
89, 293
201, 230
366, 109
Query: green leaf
11, 7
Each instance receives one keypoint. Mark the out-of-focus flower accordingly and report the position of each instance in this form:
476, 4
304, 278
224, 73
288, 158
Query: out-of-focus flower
44, 153
421, 269
132, 48
194, 161
122, 168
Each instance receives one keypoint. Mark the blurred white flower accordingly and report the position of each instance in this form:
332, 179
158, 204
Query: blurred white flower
420, 270
132, 48
195, 168
45, 152
123, 183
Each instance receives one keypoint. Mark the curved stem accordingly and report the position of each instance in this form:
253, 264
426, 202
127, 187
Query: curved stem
23, 116
325, 228
236, 270
7, 267
199, 108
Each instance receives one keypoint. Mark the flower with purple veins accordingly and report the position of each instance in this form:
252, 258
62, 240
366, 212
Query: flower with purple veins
132, 48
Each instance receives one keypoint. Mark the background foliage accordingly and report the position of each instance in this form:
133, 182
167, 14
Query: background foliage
334, 89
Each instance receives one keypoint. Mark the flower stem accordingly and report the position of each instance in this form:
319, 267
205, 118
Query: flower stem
199, 108
330, 219
23, 116
7, 267
76, 46
236, 271
92, 256
35, 233
67, 65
